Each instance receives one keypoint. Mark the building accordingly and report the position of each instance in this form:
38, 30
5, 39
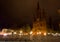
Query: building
39, 23
7, 30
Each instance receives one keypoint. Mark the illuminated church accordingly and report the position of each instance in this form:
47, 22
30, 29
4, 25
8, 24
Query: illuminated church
39, 23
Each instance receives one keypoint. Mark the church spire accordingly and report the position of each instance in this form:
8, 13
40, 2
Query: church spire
38, 11
37, 5
37, 15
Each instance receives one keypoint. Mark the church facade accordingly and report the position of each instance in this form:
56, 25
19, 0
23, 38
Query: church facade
39, 23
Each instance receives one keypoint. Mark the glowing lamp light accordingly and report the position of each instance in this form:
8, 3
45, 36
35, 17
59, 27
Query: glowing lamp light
26, 34
21, 31
48, 33
20, 34
9, 33
5, 34
15, 33
31, 32
53, 34
44, 34
38, 32
58, 34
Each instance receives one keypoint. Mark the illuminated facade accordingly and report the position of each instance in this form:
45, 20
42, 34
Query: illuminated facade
7, 30
40, 23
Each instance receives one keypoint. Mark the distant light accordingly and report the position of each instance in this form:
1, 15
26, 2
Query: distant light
20, 34
4, 30
44, 34
38, 32
5, 34
48, 33
15, 33
25, 33
52, 33
9, 33
58, 34
31, 32
21, 31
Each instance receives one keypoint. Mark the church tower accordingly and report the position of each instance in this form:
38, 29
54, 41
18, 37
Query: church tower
40, 23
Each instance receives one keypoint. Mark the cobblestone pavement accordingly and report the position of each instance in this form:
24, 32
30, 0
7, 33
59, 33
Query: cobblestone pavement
36, 38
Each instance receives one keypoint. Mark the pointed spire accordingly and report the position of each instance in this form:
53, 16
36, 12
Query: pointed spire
43, 14
38, 11
35, 16
37, 5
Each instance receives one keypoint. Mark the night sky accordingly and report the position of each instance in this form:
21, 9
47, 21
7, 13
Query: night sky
21, 12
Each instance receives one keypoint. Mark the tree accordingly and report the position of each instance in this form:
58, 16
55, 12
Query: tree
28, 29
